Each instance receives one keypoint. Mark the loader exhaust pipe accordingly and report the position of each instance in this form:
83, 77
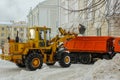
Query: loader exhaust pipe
17, 38
8, 38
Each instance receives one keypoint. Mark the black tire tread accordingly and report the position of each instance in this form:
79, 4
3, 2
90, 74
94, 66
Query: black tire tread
29, 60
20, 65
85, 57
61, 61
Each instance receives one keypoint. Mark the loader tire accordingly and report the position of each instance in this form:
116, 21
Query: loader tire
65, 60
20, 65
33, 61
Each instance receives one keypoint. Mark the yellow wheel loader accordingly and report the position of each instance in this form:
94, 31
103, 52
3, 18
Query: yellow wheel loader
39, 49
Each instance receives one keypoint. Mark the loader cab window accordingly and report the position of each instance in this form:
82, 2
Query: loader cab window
48, 37
41, 34
41, 38
32, 34
44, 37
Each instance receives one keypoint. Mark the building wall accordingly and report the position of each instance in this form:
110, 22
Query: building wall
68, 18
114, 25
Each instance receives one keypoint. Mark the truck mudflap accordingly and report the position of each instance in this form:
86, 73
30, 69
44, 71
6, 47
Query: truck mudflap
10, 57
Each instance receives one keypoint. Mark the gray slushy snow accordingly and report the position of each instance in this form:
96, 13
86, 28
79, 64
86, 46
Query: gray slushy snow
101, 70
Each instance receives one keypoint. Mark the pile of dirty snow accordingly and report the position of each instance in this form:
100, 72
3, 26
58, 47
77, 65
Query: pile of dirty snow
105, 70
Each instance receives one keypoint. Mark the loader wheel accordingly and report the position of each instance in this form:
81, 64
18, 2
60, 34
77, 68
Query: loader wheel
85, 58
50, 64
65, 60
33, 61
20, 65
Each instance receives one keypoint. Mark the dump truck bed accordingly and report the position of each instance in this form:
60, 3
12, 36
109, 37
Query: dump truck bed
94, 44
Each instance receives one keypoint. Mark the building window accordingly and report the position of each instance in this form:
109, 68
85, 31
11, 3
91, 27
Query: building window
99, 32
21, 29
8, 28
9, 34
15, 35
2, 42
22, 34
15, 29
2, 34
2, 29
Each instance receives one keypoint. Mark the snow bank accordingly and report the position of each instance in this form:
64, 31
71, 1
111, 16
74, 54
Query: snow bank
105, 70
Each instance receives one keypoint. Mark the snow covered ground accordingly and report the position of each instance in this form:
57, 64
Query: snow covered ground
101, 70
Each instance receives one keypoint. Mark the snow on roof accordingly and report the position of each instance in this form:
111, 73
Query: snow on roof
12, 24
6, 23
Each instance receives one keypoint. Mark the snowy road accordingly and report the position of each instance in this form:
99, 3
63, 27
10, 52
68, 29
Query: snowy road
10, 71
101, 70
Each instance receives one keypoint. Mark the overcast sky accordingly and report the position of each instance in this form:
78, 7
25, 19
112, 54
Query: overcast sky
16, 10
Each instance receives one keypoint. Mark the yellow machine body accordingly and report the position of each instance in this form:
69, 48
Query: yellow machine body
39, 41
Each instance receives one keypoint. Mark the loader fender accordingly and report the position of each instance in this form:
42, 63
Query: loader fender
60, 52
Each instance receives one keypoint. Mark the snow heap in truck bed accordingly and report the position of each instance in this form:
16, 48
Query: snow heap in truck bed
105, 70
101, 70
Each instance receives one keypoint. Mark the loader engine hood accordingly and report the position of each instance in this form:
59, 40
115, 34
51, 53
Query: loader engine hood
13, 48
6, 48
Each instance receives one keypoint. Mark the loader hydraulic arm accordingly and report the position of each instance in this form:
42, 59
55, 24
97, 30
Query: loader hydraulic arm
63, 37
62, 31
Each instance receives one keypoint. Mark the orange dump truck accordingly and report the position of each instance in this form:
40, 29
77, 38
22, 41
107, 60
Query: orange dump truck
89, 48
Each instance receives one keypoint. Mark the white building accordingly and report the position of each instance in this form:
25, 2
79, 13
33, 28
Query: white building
100, 17
45, 14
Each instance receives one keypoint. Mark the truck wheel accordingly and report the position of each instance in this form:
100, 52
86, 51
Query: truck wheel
33, 61
85, 58
50, 64
65, 60
20, 65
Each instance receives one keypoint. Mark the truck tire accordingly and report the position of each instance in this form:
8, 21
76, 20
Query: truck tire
65, 60
33, 61
85, 58
20, 65
50, 64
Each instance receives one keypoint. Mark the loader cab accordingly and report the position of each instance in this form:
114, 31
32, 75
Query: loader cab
40, 35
